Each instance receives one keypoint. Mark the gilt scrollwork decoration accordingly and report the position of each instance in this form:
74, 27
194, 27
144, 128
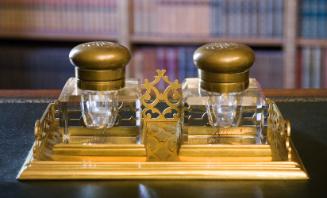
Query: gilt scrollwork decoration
278, 133
161, 113
169, 99
46, 133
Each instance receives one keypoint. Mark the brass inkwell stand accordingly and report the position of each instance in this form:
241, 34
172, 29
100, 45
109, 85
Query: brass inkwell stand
216, 126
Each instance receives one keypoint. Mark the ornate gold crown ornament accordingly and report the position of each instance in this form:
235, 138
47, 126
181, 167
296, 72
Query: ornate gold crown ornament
161, 129
162, 124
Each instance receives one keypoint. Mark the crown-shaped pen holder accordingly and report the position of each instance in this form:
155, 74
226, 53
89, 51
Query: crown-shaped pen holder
161, 116
161, 129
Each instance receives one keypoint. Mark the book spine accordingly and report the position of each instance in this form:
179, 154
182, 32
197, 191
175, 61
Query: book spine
245, 23
268, 68
192, 68
306, 56
149, 62
262, 18
206, 12
182, 63
222, 16
298, 71
269, 23
320, 19
189, 64
279, 16
313, 19
316, 68
305, 12
136, 17
254, 22
145, 17
324, 25
212, 17
324, 73
139, 64
229, 18
171, 63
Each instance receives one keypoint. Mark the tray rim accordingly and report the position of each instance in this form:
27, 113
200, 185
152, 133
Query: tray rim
79, 170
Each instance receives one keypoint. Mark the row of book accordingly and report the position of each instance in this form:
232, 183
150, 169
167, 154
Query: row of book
268, 68
313, 17
312, 67
64, 17
230, 18
250, 18
33, 66
225, 18
178, 62
30, 66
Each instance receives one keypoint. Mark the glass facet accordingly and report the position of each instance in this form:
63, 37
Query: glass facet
99, 108
223, 110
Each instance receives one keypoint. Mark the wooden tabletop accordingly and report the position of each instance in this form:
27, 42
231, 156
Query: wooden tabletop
54, 93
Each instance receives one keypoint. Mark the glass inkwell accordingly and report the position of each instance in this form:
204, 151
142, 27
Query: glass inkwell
224, 105
98, 106
98, 103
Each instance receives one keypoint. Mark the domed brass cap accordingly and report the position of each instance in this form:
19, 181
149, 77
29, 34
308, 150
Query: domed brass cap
100, 65
224, 66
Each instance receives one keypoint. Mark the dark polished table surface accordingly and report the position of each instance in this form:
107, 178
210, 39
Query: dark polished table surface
308, 116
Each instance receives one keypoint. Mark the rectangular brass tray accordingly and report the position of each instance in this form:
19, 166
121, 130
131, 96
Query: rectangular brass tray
49, 159
163, 155
250, 167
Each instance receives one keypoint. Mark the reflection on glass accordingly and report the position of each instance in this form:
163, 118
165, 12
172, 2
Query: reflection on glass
99, 108
223, 109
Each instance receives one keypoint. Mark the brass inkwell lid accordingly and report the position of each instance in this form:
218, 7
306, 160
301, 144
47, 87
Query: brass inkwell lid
100, 65
224, 67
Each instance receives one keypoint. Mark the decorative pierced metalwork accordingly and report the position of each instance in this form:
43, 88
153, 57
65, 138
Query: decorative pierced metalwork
46, 133
278, 133
159, 105
161, 118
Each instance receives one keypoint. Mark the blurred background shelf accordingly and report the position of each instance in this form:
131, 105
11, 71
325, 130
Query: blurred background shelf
56, 36
312, 42
289, 37
197, 40
297, 94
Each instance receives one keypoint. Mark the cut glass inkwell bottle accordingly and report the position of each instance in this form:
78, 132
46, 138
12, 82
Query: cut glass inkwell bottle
98, 99
224, 98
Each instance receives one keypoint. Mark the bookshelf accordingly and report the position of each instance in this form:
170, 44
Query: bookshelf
196, 40
56, 36
312, 42
289, 44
